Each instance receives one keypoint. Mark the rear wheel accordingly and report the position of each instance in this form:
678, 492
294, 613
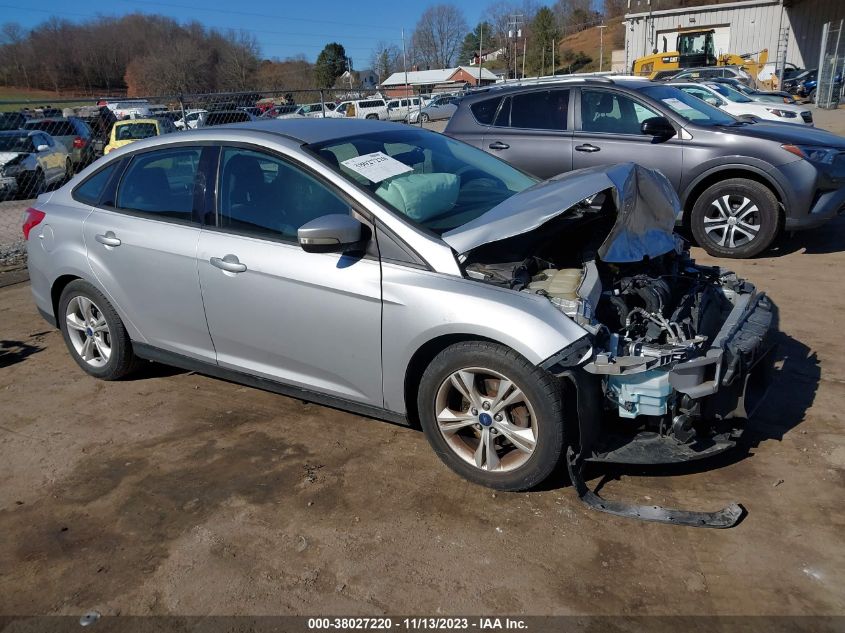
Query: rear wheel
812, 96
94, 333
424, 118
491, 416
735, 218
372, 116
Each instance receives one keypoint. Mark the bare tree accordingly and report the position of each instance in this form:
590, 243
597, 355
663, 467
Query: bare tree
239, 60
385, 60
439, 34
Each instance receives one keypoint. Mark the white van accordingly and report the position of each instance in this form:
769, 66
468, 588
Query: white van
374, 108
399, 109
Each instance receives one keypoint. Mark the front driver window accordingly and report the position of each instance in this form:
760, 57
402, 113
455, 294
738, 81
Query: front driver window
267, 197
612, 113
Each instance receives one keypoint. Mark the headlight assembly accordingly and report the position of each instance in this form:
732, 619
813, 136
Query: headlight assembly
786, 114
824, 155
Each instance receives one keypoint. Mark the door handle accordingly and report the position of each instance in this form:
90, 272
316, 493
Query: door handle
498, 145
108, 239
229, 263
587, 148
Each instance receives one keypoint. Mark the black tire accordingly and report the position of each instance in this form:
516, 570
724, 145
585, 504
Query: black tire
122, 360
68, 171
372, 116
812, 96
425, 118
541, 389
717, 241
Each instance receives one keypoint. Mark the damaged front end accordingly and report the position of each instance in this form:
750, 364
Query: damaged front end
675, 354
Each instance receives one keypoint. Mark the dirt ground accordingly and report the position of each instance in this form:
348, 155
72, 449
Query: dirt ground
174, 493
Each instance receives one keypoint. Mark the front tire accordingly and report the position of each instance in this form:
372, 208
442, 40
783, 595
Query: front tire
93, 332
424, 118
736, 218
492, 417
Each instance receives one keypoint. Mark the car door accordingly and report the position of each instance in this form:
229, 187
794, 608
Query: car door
533, 131
609, 131
141, 241
273, 310
46, 156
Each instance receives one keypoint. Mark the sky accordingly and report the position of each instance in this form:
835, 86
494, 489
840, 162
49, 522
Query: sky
283, 28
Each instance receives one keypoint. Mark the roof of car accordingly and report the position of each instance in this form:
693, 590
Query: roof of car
315, 130
625, 81
144, 120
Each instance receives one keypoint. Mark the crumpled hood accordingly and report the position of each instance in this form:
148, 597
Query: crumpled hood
646, 204
7, 157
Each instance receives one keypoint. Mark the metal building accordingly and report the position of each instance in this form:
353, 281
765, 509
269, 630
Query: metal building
741, 27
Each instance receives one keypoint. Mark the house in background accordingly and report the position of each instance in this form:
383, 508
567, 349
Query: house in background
487, 56
437, 80
358, 80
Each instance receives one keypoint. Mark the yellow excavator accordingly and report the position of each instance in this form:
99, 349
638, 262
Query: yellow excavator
696, 48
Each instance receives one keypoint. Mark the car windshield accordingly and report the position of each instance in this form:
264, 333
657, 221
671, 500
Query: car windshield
431, 179
135, 131
691, 108
729, 93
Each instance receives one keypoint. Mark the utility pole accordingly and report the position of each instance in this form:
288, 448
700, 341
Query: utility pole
514, 33
405, 64
524, 49
553, 58
601, 46
480, 50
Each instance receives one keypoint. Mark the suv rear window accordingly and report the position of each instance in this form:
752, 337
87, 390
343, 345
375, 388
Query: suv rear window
484, 111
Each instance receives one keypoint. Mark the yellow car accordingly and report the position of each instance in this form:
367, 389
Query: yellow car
124, 132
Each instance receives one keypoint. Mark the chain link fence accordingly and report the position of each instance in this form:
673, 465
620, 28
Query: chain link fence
831, 66
43, 145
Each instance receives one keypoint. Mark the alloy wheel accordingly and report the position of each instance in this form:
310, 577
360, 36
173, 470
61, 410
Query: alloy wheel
88, 331
732, 221
486, 419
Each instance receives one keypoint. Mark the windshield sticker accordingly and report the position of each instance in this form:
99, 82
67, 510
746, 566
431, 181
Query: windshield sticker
676, 104
376, 166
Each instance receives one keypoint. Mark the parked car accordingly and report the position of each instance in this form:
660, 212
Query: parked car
309, 110
400, 109
770, 71
774, 176
222, 117
31, 162
464, 294
440, 108
192, 119
276, 111
705, 73
131, 109
791, 84
12, 120
737, 104
360, 109
768, 96
256, 112
129, 131
71, 132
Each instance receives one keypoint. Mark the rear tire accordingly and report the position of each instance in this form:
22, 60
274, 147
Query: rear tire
736, 218
93, 332
424, 118
503, 435
812, 96
372, 116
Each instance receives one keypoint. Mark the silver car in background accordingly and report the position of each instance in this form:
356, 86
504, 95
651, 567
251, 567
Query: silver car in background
401, 274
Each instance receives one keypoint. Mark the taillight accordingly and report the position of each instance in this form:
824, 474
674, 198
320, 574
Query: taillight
31, 219
79, 142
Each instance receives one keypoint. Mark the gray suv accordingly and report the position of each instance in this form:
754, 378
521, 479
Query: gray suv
740, 182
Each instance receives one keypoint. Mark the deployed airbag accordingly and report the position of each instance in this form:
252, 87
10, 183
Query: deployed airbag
421, 196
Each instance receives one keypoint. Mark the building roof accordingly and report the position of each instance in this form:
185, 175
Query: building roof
436, 76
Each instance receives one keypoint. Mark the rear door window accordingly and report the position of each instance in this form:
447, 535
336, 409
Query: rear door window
484, 111
161, 183
540, 110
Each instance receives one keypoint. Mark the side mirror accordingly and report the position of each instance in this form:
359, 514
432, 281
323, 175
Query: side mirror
42, 148
335, 233
658, 126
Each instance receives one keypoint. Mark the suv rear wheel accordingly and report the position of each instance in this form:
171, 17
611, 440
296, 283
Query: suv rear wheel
492, 416
735, 218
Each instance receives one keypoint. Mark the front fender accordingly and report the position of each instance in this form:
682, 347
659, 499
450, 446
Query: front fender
713, 167
420, 306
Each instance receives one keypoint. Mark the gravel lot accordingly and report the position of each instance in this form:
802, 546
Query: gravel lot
174, 493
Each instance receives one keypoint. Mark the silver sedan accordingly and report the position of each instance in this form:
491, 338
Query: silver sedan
401, 274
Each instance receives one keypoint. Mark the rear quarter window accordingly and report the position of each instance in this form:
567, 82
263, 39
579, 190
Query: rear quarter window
484, 111
91, 189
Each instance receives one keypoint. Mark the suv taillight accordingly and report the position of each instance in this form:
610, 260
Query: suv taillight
79, 142
31, 219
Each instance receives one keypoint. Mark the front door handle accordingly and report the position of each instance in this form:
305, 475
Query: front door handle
587, 148
229, 263
108, 239
498, 145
